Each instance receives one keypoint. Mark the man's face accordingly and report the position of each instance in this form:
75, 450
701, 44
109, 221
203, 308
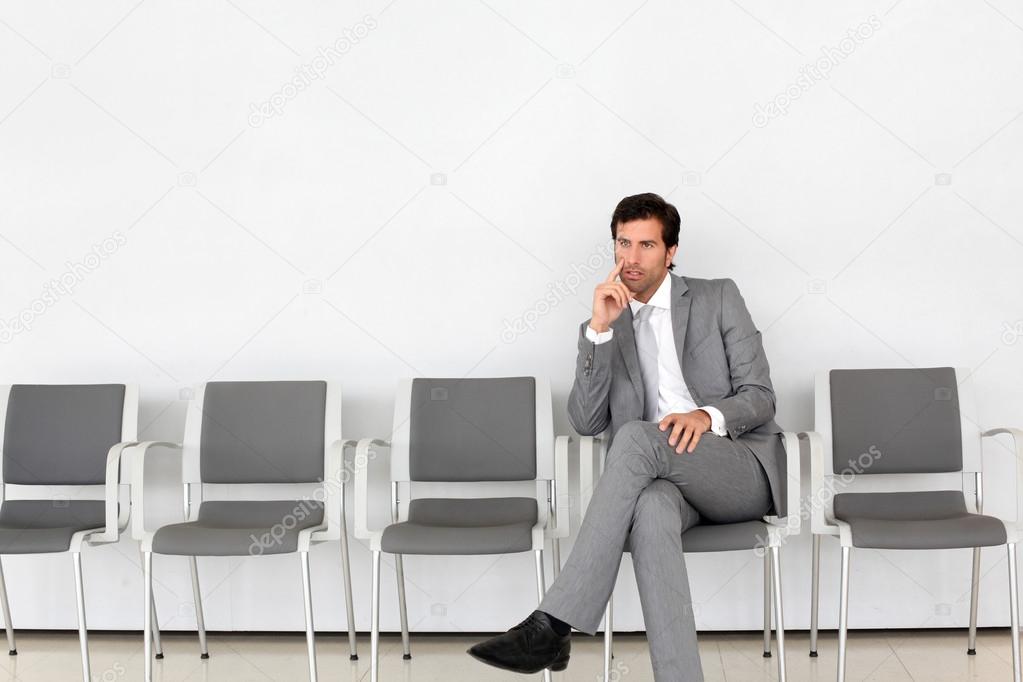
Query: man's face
640, 244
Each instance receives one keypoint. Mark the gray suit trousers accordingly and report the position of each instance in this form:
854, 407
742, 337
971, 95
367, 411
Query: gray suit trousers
648, 496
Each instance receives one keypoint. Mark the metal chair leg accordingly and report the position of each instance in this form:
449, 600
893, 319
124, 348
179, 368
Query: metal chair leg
815, 592
200, 621
346, 570
310, 638
12, 648
611, 640
609, 629
555, 558
402, 608
971, 647
83, 634
779, 615
157, 644
843, 614
374, 635
541, 589
767, 604
1014, 612
147, 621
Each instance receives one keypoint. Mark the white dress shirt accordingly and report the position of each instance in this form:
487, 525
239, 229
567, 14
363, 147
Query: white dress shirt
672, 393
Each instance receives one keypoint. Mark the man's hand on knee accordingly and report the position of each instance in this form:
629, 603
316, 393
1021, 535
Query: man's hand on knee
686, 429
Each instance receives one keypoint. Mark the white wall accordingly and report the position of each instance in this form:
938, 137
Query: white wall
447, 173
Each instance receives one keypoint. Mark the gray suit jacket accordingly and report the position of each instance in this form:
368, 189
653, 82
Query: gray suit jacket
723, 364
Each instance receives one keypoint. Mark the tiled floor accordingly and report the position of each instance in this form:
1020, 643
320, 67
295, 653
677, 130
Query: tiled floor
878, 656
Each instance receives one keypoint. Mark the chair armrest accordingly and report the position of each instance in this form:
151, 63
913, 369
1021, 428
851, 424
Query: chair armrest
116, 514
561, 496
138, 477
592, 450
334, 479
821, 495
361, 503
792, 521
1017, 441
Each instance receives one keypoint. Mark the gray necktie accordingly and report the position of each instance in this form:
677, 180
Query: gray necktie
646, 345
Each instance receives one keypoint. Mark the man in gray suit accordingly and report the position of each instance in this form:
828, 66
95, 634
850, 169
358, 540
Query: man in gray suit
674, 366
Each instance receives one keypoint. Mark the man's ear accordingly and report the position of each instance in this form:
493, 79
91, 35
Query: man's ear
670, 256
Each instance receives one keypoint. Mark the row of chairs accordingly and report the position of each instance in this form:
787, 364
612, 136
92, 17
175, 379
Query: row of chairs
894, 464
74, 475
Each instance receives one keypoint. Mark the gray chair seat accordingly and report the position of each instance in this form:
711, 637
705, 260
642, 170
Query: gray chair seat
496, 525
725, 537
916, 520
240, 528
721, 537
38, 526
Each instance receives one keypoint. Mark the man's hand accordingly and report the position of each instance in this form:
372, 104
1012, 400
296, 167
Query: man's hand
686, 429
609, 300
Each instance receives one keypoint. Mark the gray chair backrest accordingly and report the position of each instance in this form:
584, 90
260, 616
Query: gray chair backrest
262, 432
907, 420
473, 429
61, 434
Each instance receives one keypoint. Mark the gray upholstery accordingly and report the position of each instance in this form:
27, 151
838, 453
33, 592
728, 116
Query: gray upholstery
473, 429
909, 416
499, 525
38, 526
916, 520
724, 537
60, 435
263, 431
240, 528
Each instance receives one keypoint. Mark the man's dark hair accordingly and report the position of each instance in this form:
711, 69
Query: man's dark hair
649, 205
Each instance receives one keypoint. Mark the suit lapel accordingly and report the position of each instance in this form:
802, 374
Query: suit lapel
680, 302
627, 344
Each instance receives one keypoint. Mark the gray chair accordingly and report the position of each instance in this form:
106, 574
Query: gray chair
763, 536
62, 483
475, 469
896, 464
261, 465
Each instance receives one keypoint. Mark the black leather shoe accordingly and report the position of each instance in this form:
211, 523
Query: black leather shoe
529, 647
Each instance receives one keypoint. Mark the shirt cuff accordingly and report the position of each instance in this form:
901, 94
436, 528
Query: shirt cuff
717, 420
598, 337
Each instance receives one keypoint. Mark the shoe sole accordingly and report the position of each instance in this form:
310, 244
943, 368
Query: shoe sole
559, 664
